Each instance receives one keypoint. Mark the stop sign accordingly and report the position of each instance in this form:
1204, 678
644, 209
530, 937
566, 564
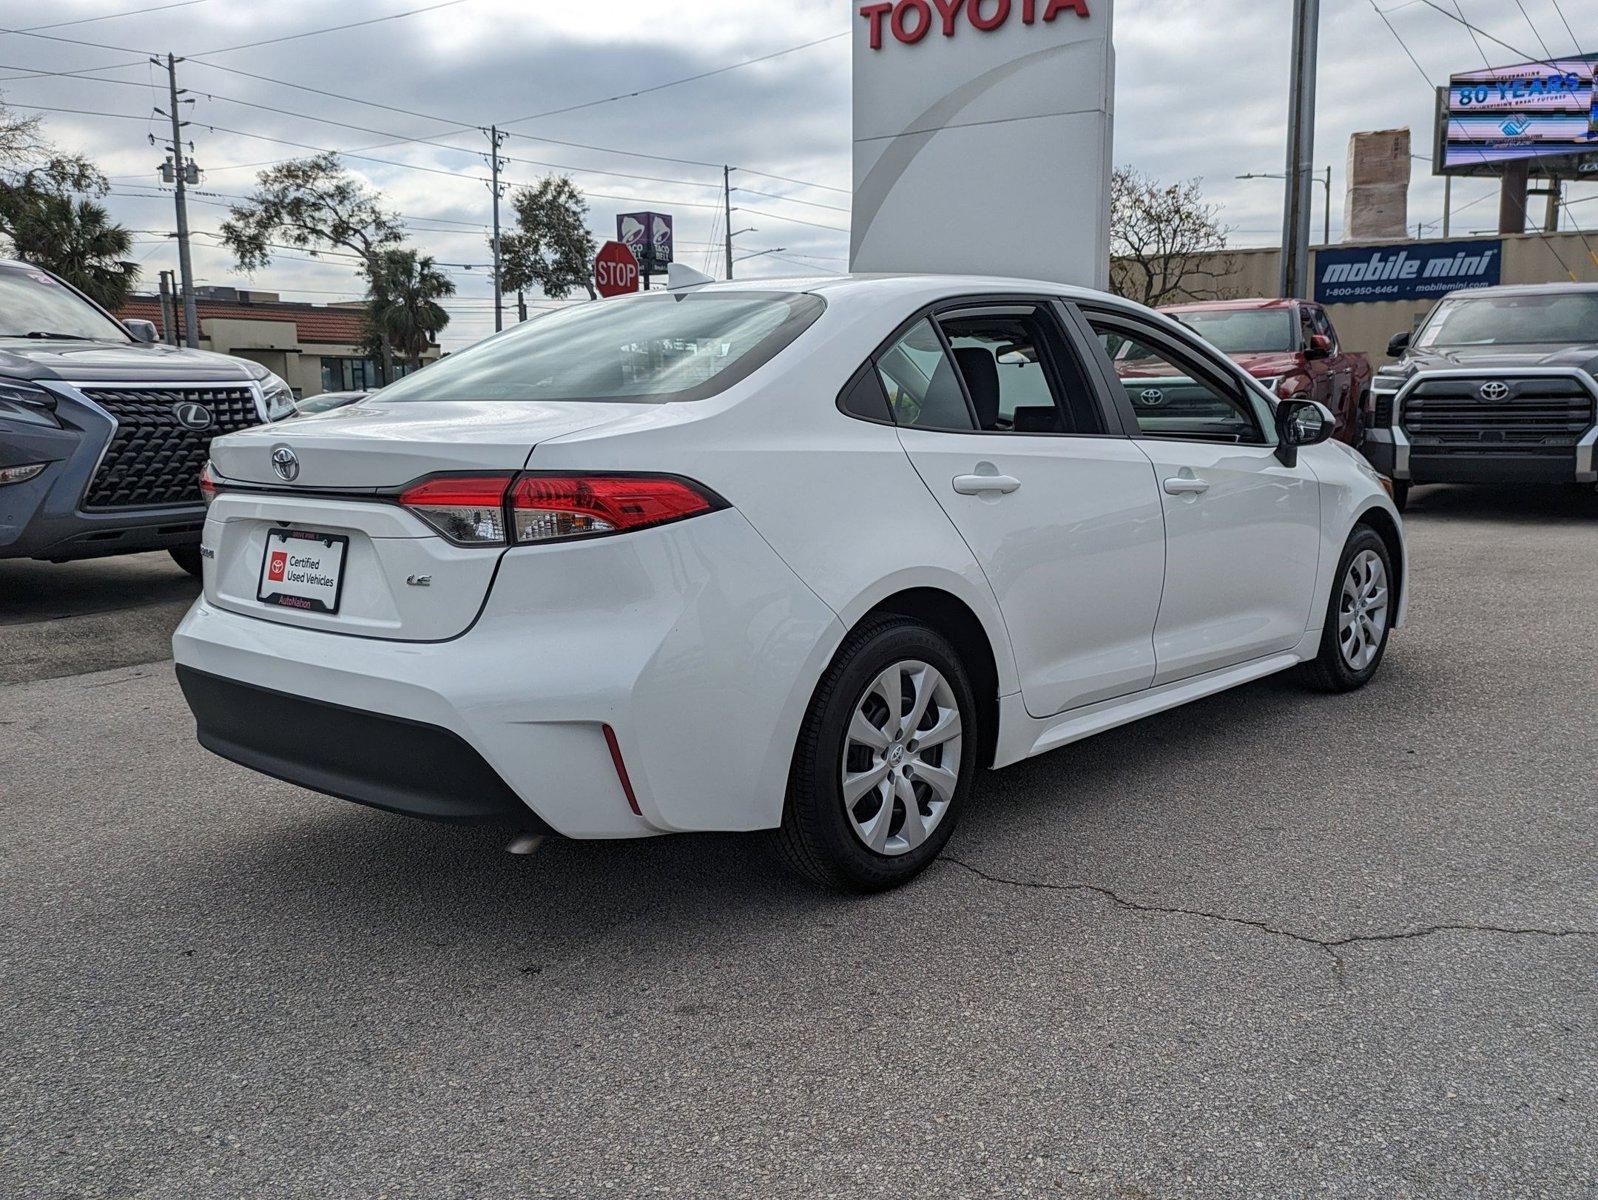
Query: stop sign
615, 270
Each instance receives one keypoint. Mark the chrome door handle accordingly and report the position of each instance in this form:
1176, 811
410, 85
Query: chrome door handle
977, 485
1186, 485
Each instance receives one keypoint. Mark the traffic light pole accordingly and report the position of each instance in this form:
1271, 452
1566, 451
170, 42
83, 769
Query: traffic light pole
726, 200
191, 325
1300, 150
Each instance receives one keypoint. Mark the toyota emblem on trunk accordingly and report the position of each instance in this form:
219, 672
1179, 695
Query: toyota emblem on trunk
192, 416
1493, 391
285, 464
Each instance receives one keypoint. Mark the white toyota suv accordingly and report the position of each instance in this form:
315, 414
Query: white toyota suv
796, 555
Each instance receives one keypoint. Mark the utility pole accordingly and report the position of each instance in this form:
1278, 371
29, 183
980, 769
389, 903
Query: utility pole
1448, 204
1300, 149
183, 173
726, 200
1327, 239
496, 139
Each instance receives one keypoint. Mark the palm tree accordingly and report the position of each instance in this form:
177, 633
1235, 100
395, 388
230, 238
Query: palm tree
75, 239
402, 302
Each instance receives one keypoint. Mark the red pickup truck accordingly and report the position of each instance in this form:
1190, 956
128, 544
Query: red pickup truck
1292, 347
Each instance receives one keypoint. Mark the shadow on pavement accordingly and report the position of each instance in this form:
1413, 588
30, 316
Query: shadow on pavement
1519, 503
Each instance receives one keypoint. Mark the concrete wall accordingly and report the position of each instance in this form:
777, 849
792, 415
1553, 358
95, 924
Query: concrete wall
1528, 258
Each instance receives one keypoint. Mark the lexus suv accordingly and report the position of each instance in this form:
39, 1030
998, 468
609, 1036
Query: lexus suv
1498, 385
103, 431
799, 556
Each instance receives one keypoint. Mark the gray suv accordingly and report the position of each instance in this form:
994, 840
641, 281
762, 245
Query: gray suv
104, 431
1498, 385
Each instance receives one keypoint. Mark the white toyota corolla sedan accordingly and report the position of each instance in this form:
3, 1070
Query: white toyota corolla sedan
790, 555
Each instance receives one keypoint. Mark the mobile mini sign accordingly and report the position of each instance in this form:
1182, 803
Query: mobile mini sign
1364, 275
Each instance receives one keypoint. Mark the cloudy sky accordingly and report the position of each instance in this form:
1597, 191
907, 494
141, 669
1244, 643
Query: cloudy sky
1201, 90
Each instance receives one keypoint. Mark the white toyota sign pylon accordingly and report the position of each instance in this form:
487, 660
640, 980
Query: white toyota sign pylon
982, 137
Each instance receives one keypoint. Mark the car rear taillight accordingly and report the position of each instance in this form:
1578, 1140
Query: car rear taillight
469, 510
551, 507
477, 510
208, 488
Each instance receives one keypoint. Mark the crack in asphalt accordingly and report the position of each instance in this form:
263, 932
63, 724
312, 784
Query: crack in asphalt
1330, 945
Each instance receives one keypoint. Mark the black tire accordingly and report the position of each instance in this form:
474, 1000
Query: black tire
817, 836
1330, 670
187, 557
1400, 494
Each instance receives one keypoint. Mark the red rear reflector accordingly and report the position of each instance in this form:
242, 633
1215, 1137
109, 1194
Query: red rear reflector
550, 507
621, 769
469, 510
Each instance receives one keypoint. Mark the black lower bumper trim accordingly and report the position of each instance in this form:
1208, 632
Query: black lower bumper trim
1491, 468
387, 762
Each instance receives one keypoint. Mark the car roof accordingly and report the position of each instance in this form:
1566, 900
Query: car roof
1526, 289
1257, 302
906, 285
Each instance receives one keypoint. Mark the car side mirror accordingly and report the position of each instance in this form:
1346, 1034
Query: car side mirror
1301, 423
1320, 346
1397, 344
142, 331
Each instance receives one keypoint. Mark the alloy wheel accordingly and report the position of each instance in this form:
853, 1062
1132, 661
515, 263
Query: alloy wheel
901, 757
1362, 610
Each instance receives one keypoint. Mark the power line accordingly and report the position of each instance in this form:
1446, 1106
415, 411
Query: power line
130, 12
55, 37
790, 199
289, 37
748, 62
791, 220
1533, 28
1575, 42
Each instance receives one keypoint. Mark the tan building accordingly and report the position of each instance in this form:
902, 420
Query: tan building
1527, 258
315, 347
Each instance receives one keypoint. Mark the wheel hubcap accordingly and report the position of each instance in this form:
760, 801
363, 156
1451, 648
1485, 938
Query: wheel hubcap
1362, 610
901, 758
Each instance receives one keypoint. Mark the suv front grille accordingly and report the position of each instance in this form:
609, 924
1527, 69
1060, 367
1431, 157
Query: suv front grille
153, 458
1539, 412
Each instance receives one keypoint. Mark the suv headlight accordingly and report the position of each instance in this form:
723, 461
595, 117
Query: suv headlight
22, 401
277, 397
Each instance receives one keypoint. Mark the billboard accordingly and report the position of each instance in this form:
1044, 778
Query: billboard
648, 236
982, 137
1527, 113
1420, 271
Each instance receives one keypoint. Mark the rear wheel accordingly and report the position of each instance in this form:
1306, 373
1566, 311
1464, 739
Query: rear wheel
187, 557
884, 760
1358, 617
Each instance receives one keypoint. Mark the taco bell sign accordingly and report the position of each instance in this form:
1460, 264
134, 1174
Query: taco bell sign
982, 133
648, 236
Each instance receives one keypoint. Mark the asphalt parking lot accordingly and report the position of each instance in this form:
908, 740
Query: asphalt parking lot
1273, 944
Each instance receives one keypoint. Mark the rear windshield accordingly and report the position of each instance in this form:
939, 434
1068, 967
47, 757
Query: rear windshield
33, 304
682, 346
1244, 330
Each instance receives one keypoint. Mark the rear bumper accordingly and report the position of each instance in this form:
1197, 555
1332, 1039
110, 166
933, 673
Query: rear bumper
387, 762
694, 642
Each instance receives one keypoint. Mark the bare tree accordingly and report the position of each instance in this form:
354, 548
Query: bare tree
1163, 240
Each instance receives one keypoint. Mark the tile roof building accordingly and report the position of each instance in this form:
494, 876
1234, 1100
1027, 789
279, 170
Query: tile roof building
315, 347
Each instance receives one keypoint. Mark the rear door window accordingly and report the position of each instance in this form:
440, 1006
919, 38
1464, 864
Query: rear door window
1020, 375
919, 378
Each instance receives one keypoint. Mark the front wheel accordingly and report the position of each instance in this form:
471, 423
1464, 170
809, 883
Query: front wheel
884, 760
1359, 615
